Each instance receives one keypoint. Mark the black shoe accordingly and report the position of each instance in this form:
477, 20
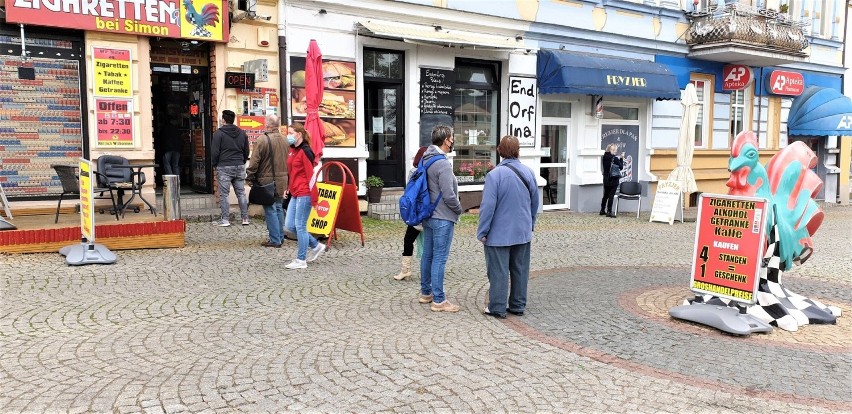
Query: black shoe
610, 215
270, 244
602, 213
496, 315
516, 313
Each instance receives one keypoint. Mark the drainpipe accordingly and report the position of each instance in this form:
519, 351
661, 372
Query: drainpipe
760, 104
283, 91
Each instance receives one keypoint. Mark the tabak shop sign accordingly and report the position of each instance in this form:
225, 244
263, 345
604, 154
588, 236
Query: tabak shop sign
187, 19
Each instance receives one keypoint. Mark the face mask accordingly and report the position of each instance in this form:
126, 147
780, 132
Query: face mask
291, 139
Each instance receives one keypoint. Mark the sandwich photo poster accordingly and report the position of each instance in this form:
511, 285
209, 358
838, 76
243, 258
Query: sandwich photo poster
337, 109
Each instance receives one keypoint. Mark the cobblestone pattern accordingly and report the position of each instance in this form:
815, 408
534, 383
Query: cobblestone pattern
220, 325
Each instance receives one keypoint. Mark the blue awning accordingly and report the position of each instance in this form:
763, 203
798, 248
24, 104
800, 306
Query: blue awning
820, 111
567, 72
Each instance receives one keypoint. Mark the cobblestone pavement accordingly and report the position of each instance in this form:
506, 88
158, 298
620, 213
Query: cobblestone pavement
220, 325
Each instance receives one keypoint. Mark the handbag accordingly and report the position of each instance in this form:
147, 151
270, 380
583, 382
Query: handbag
264, 195
614, 170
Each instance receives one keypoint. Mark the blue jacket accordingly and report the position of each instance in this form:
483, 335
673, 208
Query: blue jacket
507, 206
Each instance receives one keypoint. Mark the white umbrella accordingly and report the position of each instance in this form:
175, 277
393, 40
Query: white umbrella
686, 141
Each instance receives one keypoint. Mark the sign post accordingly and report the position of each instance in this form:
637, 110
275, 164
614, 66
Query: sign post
729, 244
667, 202
87, 252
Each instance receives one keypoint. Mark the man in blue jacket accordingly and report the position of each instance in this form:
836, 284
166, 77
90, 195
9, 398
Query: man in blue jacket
230, 151
509, 207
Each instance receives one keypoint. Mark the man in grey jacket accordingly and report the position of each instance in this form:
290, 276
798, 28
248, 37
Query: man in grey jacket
230, 151
438, 229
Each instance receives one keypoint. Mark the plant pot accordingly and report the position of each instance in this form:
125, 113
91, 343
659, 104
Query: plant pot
374, 194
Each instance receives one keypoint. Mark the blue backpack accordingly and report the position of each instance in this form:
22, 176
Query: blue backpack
415, 205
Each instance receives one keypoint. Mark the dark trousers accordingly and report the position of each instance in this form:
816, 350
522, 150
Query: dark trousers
508, 274
608, 196
408, 242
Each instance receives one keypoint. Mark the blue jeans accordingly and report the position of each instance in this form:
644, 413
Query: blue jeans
437, 239
171, 163
507, 264
297, 222
274, 216
236, 175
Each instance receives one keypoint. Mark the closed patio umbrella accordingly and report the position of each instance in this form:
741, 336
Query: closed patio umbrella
686, 141
314, 92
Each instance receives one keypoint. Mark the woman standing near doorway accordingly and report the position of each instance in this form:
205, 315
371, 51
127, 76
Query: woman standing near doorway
610, 182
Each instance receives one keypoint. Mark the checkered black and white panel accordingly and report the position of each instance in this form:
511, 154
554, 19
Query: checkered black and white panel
776, 305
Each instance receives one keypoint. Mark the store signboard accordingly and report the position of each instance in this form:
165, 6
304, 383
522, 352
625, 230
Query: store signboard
87, 206
112, 74
730, 232
114, 123
323, 216
736, 77
667, 201
782, 82
186, 19
522, 109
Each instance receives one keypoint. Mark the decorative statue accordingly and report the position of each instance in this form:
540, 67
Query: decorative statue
793, 216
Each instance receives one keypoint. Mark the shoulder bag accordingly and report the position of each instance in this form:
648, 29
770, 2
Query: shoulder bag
264, 195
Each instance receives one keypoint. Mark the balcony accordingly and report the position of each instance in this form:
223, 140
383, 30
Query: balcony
738, 34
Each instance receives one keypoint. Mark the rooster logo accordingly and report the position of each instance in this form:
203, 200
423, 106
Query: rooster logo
209, 16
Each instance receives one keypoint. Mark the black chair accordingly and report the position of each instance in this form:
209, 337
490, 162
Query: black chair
119, 179
71, 185
629, 190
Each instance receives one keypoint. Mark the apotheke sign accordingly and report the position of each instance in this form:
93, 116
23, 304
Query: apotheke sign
736, 77
782, 82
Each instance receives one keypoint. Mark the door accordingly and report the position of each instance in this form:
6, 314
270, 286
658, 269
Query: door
554, 165
200, 134
383, 103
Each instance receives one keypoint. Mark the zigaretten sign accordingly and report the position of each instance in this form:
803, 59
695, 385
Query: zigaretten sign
187, 19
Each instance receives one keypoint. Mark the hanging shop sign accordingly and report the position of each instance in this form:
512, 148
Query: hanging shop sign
112, 77
729, 239
522, 109
736, 77
782, 82
187, 19
114, 123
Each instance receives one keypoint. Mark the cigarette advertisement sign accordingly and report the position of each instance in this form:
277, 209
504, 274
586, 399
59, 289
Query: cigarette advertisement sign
112, 73
322, 217
187, 19
728, 246
87, 207
114, 123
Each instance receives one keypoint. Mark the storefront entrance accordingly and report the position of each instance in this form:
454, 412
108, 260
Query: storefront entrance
556, 124
384, 111
180, 87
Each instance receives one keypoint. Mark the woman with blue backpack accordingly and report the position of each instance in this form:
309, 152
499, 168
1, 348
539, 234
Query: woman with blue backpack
411, 232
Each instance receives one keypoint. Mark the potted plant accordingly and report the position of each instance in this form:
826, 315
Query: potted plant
374, 186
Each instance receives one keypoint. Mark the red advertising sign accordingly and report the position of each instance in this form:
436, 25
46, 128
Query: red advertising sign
188, 19
736, 77
728, 246
114, 123
782, 82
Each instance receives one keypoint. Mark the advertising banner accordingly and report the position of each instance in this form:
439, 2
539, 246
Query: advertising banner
87, 207
337, 109
114, 123
729, 240
522, 109
112, 73
187, 19
626, 137
322, 217
254, 105
666, 202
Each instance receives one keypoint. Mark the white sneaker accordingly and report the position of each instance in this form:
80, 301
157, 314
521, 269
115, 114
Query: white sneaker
222, 223
316, 252
246, 222
297, 264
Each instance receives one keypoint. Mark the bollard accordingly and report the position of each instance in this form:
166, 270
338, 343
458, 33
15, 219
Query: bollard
171, 197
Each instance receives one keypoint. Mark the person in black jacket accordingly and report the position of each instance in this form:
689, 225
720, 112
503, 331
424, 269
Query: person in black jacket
230, 151
610, 183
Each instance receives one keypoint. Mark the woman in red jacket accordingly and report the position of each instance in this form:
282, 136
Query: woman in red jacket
300, 167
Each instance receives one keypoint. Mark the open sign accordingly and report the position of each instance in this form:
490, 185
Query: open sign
239, 80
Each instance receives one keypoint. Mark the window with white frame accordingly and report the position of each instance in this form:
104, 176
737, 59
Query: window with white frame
704, 90
741, 104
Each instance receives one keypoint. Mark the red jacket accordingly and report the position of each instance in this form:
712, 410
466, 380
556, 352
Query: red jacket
300, 168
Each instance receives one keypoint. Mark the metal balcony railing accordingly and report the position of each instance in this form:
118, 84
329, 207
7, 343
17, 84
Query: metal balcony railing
742, 25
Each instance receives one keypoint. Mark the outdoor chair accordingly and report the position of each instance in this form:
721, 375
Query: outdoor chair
629, 190
71, 186
119, 178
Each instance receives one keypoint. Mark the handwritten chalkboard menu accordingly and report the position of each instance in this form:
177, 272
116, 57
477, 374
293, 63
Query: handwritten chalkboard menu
437, 96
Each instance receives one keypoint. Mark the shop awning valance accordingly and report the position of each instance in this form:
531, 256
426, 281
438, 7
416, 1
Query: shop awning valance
567, 72
820, 111
418, 33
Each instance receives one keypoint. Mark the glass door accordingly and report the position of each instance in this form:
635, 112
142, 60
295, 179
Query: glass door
384, 132
200, 133
554, 165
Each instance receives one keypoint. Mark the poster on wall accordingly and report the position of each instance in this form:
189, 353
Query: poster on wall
522, 109
112, 73
252, 107
187, 19
337, 108
437, 101
626, 137
114, 119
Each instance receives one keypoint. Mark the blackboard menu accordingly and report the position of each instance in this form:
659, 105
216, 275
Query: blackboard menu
437, 100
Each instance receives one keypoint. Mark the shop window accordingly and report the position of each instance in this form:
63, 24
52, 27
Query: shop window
741, 104
556, 109
477, 95
383, 64
621, 113
704, 89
